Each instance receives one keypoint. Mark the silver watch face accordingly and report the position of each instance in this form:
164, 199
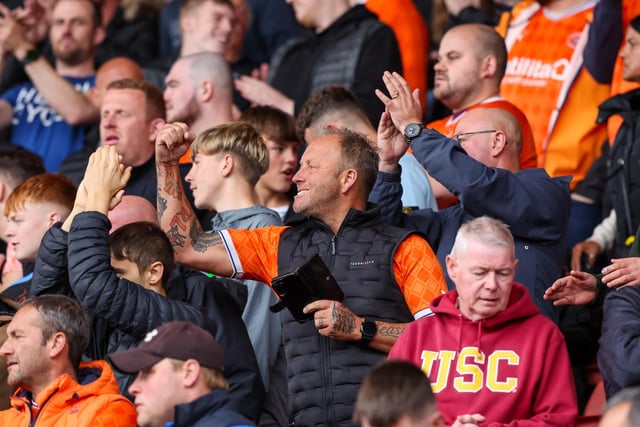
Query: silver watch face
412, 130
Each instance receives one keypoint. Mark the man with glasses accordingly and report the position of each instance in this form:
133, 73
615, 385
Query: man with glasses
470, 65
481, 167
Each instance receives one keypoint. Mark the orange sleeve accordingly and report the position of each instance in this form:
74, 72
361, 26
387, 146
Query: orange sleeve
256, 250
412, 35
445, 126
119, 412
418, 273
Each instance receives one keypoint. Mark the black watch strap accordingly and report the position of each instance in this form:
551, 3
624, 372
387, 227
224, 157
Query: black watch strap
368, 330
32, 55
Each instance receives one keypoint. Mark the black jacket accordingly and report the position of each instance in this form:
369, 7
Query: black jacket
623, 166
338, 55
123, 312
324, 373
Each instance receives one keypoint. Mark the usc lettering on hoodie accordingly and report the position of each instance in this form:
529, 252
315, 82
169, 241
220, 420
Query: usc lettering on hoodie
513, 368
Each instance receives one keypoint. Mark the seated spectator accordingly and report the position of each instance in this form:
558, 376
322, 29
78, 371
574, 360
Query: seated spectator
180, 380
397, 394
478, 346
278, 131
481, 166
47, 115
623, 409
46, 340
31, 209
123, 280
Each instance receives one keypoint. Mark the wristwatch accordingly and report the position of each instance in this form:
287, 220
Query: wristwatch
411, 131
368, 329
32, 55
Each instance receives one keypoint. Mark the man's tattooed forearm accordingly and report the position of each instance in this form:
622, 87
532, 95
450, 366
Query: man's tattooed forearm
390, 331
343, 320
200, 240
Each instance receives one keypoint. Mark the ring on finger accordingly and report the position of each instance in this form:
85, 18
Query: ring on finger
395, 95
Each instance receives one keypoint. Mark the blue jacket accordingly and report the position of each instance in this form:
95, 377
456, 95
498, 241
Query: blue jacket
211, 410
533, 205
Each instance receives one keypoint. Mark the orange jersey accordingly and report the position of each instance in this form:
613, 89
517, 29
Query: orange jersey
254, 255
538, 65
528, 157
547, 79
410, 30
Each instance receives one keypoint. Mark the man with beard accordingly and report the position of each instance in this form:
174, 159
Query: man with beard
199, 92
47, 113
469, 68
388, 275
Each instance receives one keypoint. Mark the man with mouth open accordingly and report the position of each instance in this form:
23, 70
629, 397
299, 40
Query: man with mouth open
388, 275
485, 346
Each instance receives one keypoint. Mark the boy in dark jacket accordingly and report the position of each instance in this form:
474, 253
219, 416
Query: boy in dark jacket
113, 283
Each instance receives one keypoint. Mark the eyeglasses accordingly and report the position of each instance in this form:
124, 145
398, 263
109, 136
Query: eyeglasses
459, 136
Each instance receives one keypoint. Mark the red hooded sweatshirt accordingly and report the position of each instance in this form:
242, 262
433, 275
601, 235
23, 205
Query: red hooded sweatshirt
513, 368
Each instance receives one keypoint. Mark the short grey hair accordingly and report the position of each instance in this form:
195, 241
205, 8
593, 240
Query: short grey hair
490, 231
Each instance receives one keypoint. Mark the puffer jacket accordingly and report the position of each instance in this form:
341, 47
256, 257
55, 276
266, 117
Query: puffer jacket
123, 312
92, 401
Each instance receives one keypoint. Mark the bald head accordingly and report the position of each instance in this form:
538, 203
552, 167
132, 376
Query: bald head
494, 118
484, 41
114, 69
491, 136
132, 209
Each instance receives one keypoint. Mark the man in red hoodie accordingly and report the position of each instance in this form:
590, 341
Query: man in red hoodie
491, 357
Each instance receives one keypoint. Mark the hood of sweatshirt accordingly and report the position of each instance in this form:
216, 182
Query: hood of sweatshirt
519, 307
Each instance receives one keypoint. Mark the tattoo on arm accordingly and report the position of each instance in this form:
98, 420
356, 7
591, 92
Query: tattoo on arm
176, 238
343, 320
172, 185
390, 331
200, 240
162, 206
